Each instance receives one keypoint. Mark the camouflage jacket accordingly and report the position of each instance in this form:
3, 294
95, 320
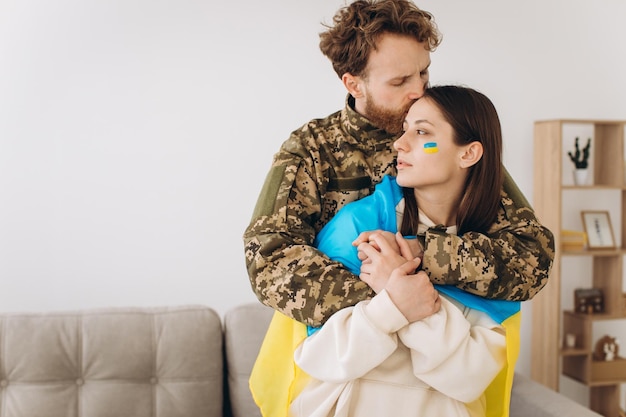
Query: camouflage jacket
330, 162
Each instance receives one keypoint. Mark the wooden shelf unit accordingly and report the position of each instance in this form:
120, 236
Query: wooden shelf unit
548, 357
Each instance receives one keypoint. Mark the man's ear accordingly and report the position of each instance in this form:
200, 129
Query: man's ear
352, 84
472, 154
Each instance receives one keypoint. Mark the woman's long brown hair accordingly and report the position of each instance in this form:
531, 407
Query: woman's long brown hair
473, 117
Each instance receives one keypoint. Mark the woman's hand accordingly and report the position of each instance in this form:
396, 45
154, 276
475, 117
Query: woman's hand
371, 238
409, 248
412, 292
382, 253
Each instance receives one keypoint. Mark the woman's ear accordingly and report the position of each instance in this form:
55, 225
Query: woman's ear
352, 84
472, 154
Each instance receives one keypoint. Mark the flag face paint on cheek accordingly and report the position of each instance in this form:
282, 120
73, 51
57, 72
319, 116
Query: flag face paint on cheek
431, 147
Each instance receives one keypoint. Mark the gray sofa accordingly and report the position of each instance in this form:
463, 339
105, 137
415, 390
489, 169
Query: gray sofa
158, 362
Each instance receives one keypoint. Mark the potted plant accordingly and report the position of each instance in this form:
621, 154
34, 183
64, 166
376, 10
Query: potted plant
580, 158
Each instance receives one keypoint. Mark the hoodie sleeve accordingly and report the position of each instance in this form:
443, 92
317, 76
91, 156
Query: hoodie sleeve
353, 341
454, 346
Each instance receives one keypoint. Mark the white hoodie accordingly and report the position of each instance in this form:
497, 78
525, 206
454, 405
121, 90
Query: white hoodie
368, 361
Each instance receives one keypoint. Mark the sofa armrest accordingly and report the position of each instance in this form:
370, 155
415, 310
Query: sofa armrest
530, 398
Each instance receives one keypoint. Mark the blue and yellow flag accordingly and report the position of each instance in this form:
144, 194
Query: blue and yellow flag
276, 380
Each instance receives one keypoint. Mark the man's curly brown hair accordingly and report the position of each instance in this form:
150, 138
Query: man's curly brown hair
359, 25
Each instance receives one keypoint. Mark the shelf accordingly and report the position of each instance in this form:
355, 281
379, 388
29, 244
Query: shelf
575, 352
595, 373
594, 187
555, 202
604, 383
594, 252
608, 372
596, 316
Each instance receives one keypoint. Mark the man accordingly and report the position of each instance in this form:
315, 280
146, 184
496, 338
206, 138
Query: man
381, 51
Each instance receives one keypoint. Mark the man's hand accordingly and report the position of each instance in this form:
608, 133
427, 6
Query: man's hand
410, 247
413, 293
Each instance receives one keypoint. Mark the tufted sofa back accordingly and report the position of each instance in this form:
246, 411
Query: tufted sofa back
159, 362
131, 362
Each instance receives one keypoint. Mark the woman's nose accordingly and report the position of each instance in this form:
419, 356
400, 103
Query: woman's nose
400, 143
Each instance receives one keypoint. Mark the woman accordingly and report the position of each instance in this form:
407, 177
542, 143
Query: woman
381, 357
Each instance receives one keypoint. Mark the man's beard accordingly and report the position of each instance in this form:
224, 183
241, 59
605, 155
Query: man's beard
387, 119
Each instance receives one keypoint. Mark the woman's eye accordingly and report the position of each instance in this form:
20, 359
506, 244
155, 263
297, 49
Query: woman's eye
421, 132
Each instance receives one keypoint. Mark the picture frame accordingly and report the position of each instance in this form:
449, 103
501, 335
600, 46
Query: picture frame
598, 228
588, 300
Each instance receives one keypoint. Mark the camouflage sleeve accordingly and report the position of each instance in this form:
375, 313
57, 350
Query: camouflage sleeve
286, 272
511, 262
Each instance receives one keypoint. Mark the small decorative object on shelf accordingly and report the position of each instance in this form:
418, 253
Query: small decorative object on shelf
606, 349
581, 162
588, 300
598, 229
570, 341
573, 240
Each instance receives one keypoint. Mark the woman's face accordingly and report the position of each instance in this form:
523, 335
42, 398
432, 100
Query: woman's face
427, 155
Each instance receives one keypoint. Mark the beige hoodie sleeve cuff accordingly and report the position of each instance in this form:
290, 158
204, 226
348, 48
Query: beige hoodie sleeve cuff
383, 313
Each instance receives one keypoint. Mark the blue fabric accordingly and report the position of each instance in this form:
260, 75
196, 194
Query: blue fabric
378, 212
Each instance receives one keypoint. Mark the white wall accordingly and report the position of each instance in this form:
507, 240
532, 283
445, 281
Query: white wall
135, 135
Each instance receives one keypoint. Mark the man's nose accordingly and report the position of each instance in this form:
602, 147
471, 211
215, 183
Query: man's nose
417, 89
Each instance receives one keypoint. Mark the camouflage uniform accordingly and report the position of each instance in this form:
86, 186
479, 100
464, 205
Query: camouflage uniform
330, 162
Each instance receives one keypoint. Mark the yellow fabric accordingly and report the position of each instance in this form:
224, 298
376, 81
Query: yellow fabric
498, 393
275, 378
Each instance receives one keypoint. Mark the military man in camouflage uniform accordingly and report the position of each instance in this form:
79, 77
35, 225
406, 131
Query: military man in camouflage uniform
381, 52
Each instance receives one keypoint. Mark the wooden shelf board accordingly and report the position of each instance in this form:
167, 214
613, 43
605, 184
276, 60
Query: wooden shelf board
575, 352
594, 252
603, 383
596, 317
594, 187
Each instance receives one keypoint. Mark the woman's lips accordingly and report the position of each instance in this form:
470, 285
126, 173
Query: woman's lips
400, 163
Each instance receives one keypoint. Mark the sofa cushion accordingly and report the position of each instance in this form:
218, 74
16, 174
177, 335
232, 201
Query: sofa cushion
533, 399
244, 330
131, 362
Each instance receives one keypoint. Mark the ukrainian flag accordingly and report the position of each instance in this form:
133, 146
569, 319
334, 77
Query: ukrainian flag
431, 147
275, 379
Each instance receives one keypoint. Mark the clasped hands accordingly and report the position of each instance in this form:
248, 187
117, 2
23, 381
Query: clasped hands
391, 262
